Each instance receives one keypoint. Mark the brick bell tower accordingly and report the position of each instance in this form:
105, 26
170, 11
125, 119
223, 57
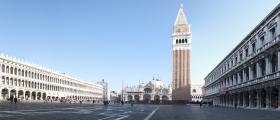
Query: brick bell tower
181, 88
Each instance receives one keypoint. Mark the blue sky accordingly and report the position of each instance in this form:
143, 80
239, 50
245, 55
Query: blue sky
127, 40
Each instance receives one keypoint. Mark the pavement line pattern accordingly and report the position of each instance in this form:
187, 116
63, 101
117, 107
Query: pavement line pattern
151, 114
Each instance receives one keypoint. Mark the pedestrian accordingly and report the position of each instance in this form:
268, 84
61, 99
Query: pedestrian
131, 103
235, 105
15, 100
200, 104
12, 99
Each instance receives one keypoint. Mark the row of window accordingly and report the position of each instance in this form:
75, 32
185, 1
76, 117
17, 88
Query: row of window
179, 41
197, 97
34, 75
249, 73
240, 55
35, 85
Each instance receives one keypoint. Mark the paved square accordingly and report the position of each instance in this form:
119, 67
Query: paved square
126, 112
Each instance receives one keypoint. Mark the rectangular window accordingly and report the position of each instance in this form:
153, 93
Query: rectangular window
240, 56
253, 47
262, 40
246, 52
272, 33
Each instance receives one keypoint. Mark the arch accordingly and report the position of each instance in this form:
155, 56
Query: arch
44, 96
39, 94
5, 93
164, 98
157, 99
129, 97
13, 93
194, 90
3, 80
3, 68
148, 90
7, 69
33, 95
20, 94
147, 98
27, 95
136, 98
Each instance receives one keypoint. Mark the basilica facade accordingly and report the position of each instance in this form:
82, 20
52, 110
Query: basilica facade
34, 83
152, 91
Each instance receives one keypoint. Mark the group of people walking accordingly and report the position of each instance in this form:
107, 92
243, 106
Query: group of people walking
13, 99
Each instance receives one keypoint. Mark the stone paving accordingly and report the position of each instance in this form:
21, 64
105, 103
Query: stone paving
126, 112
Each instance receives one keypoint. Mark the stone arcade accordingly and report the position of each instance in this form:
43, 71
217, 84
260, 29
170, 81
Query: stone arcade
249, 76
33, 83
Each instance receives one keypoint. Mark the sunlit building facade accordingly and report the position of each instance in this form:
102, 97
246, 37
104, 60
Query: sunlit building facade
29, 82
153, 91
249, 76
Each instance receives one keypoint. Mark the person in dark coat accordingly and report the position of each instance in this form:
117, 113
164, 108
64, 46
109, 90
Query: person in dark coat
15, 100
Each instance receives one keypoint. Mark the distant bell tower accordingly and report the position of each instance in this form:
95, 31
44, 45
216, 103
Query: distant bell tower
181, 42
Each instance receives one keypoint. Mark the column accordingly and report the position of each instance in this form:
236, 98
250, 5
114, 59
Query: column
278, 87
238, 99
23, 94
259, 98
278, 25
268, 65
268, 100
278, 58
244, 99
250, 99
258, 69
238, 78
250, 73
244, 75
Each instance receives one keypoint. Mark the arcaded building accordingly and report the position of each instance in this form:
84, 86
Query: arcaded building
249, 76
29, 82
181, 41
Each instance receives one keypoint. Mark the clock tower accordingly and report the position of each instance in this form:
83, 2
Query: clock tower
181, 41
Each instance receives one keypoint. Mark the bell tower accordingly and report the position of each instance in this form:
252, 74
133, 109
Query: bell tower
181, 41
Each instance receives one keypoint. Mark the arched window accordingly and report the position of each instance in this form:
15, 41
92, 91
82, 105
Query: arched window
7, 69
186, 40
176, 41
3, 68
194, 90
179, 40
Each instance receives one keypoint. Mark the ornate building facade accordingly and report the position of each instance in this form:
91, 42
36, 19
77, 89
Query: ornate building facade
29, 82
196, 93
181, 58
249, 76
153, 91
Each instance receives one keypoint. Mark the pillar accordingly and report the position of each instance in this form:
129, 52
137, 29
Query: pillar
278, 87
250, 73
244, 75
268, 65
278, 58
244, 99
258, 98
238, 99
258, 69
250, 99
268, 98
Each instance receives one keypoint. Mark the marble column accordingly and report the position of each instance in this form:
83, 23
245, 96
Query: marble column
268, 65
268, 98
251, 72
258, 69
244, 99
